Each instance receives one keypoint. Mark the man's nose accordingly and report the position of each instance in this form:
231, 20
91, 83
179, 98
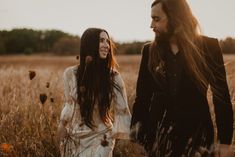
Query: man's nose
152, 25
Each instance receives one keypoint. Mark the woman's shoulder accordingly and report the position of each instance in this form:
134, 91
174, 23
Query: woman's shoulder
115, 73
70, 71
117, 77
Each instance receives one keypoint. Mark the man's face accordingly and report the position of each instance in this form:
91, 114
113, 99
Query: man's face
159, 23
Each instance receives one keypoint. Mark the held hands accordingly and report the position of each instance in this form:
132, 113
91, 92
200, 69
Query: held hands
224, 150
62, 132
61, 136
134, 132
138, 134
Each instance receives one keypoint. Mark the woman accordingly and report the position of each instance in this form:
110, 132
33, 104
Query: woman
96, 110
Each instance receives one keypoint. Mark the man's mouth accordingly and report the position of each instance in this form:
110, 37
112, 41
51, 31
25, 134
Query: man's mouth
156, 32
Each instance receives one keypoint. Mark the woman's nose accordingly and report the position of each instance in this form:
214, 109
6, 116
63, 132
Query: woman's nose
106, 44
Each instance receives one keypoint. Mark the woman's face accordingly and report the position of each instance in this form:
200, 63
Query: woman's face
104, 45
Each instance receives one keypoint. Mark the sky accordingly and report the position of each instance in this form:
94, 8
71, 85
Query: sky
125, 20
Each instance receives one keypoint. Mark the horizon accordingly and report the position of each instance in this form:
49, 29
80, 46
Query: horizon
214, 18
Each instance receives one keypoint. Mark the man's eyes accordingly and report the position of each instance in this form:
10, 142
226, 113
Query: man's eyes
156, 19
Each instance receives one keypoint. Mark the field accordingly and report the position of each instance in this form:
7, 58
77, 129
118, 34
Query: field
28, 126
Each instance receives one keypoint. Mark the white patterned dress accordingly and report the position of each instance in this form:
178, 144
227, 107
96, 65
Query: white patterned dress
99, 142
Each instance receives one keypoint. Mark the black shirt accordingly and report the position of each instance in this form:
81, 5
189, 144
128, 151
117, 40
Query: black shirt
174, 68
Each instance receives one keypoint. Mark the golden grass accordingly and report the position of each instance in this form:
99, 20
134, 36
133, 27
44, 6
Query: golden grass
28, 127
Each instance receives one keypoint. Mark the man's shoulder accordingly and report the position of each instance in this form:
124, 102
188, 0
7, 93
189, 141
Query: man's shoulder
145, 48
211, 47
209, 41
147, 45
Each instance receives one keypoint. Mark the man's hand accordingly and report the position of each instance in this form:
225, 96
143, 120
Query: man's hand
223, 150
61, 132
134, 132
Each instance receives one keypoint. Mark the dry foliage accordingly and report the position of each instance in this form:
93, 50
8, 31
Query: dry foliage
32, 98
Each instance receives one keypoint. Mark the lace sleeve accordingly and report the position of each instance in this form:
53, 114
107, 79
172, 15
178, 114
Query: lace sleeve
69, 94
122, 115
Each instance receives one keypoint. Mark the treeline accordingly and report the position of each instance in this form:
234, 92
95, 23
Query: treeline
228, 45
29, 41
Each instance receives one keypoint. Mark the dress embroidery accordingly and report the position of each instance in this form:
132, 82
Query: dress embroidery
83, 141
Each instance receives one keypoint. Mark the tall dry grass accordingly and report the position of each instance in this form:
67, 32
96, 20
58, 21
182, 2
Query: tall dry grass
28, 125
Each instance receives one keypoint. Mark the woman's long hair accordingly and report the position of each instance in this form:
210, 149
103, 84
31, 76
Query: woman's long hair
95, 77
185, 28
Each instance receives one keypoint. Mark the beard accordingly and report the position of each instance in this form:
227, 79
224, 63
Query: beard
164, 37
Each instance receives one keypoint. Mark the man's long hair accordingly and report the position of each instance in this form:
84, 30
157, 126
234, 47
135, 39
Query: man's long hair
185, 28
95, 77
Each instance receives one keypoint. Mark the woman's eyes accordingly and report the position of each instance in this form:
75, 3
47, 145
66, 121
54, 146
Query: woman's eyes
104, 40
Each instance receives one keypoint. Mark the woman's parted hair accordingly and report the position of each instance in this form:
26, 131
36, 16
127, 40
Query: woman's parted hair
95, 77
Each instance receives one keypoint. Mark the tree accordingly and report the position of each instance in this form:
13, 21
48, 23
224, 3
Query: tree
66, 46
228, 45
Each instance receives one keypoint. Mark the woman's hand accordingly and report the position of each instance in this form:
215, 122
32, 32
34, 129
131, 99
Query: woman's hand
62, 132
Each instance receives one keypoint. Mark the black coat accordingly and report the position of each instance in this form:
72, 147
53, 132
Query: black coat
188, 112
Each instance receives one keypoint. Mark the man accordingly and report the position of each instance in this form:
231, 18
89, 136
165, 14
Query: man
171, 108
